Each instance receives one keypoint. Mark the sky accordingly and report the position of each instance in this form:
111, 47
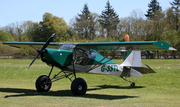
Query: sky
13, 11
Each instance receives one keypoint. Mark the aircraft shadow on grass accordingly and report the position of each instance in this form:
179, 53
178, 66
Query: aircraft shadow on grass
115, 87
65, 93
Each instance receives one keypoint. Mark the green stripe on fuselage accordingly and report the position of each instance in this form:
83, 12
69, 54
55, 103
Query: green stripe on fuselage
99, 59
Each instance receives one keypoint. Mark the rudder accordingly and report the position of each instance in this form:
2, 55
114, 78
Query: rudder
133, 59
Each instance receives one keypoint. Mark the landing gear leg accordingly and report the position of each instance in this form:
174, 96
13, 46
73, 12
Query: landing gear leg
78, 85
131, 83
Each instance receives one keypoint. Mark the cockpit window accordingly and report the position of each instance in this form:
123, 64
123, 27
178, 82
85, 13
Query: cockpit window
68, 46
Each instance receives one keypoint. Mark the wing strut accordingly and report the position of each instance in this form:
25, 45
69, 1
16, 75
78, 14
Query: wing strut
32, 47
96, 66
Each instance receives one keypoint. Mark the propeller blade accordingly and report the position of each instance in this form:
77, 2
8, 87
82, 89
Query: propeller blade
41, 51
33, 61
48, 41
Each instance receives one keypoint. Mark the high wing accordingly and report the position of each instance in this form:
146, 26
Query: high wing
118, 46
32, 45
111, 46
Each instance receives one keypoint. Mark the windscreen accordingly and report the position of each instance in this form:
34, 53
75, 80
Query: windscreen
68, 46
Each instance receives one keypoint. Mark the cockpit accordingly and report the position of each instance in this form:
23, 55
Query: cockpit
81, 56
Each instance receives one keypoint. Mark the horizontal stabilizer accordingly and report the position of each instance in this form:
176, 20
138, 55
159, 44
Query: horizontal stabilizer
144, 70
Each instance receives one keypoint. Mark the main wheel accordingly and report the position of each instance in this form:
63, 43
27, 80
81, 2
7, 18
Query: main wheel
79, 86
43, 83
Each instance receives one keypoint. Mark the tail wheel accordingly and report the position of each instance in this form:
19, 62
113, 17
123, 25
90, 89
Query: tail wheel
43, 83
79, 86
133, 84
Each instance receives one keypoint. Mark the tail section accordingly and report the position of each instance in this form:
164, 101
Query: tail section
133, 58
132, 65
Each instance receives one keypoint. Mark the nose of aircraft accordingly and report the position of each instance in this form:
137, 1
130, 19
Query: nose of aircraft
41, 51
57, 57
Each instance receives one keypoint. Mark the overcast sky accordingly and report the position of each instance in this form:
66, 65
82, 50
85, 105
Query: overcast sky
12, 11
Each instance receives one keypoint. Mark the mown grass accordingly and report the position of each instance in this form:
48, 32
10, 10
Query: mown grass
17, 87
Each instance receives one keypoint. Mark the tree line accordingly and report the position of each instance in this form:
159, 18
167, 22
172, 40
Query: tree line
159, 25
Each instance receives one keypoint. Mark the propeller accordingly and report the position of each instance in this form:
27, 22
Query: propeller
41, 50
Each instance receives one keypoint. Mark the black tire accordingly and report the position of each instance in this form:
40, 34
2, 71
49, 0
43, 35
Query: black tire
79, 86
43, 83
133, 84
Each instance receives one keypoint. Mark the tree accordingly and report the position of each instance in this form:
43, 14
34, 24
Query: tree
11, 29
18, 30
134, 25
5, 36
15, 29
109, 20
50, 24
153, 8
137, 24
85, 24
171, 37
158, 27
29, 29
170, 19
156, 17
175, 6
124, 27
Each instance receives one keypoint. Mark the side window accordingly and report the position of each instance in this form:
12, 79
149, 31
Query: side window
81, 56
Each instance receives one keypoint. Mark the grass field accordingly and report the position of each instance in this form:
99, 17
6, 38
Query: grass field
17, 87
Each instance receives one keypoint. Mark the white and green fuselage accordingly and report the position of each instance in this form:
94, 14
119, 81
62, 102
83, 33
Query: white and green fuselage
86, 59
129, 68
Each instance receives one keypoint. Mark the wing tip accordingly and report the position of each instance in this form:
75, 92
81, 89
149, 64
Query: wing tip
173, 49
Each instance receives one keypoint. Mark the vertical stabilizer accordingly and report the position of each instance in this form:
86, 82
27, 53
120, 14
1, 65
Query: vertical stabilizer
133, 59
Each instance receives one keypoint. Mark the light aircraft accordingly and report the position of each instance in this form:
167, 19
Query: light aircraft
72, 58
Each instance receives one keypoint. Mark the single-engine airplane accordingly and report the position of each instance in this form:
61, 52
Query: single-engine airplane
72, 58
